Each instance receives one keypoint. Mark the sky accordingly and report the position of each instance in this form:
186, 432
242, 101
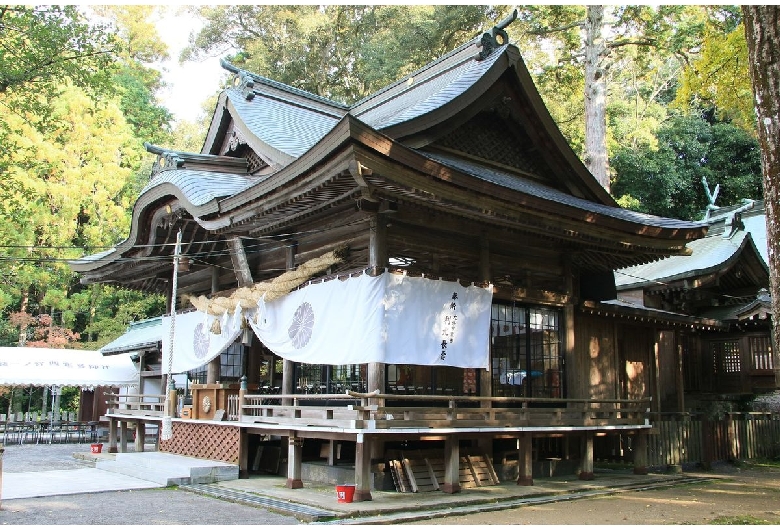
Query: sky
191, 83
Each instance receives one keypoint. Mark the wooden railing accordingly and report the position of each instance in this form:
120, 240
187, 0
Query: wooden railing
680, 439
368, 411
136, 404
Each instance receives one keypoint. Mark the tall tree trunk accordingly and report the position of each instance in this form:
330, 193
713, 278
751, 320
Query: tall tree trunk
762, 31
596, 96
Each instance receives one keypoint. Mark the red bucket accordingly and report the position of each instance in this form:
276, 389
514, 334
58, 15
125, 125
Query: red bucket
345, 492
96, 448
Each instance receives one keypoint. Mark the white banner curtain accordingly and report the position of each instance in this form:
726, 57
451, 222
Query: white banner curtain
65, 367
390, 318
194, 344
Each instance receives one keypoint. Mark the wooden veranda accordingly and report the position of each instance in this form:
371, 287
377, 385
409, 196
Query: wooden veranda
373, 418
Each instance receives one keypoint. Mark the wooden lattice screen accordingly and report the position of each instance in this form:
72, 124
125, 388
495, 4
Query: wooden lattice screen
201, 440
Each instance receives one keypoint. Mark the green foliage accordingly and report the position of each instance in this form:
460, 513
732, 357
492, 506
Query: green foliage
667, 181
80, 108
44, 44
719, 79
337, 51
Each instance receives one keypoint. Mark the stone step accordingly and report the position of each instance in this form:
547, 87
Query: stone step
169, 470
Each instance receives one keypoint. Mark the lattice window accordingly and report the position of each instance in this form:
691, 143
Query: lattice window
726, 357
526, 351
761, 353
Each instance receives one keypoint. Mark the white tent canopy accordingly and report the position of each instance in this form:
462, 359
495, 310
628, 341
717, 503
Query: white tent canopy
61, 367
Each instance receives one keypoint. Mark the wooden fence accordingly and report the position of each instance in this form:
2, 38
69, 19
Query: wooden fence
684, 439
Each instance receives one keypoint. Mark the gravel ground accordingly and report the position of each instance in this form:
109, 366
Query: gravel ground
164, 506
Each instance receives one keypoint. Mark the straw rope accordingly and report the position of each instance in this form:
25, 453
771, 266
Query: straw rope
247, 297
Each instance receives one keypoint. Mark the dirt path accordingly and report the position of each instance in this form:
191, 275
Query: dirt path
752, 493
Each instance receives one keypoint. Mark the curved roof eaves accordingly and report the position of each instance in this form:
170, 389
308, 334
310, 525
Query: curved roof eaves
529, 187
200, 187
707, 254
405, 102
289, 128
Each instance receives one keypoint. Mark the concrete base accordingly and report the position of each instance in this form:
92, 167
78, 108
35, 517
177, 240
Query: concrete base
294, 483
361, 496
525, 481
167, 469
450, 488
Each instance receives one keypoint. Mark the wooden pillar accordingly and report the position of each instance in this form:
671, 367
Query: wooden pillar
122, 436
112, 425
451, 465
363, 468
332, 452
213, 367
243, 453
377, 259
680, 373
376, 372
485, 275
586, 466
525, 460
288, 371
140, 436
485, 374
243, 434
640, 453
294, 456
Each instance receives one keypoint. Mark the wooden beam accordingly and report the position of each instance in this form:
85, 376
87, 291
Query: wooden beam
240, 263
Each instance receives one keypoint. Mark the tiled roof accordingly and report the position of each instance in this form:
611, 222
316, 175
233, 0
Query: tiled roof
425, 90
707, 254
529, 187
292, 121
139, 335
200, 187
286, 126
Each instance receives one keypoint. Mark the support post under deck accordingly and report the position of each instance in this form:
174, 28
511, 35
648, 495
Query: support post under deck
640, 453
586, 470
112, 425
363, 469
294, 456
525, 460
451, 465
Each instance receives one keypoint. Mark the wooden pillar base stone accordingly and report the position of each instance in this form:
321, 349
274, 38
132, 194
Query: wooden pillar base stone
294, 483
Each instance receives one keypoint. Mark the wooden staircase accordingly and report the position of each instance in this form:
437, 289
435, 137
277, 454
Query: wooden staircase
420, 471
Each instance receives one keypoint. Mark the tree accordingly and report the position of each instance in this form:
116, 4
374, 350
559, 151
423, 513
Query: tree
719, 78
667, 180
337, 51
596, 39
762, 33
44, 44
80, 103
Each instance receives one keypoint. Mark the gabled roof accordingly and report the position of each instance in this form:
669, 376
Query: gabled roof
281, 123
141, 335
410, 142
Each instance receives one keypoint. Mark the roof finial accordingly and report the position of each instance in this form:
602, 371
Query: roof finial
496, 37
712, 196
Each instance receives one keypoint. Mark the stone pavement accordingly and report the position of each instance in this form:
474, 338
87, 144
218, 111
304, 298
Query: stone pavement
318, 502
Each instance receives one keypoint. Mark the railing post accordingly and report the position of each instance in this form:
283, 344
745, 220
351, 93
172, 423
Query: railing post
241, 393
